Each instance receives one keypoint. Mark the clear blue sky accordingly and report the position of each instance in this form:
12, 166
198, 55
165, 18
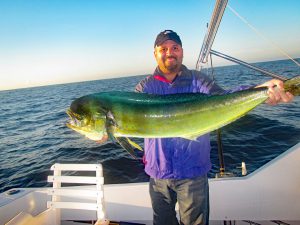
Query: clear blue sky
60, 41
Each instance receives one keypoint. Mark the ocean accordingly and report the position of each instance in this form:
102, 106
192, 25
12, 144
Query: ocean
33, 134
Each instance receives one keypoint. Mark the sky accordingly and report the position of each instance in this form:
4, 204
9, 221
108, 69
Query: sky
63, 41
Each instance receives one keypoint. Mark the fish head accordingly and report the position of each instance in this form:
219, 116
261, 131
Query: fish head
88, 119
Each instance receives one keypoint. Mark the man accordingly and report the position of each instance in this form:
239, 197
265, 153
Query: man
178, 167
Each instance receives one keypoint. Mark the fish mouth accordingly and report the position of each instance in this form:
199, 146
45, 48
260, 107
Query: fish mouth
75, 119
77, 124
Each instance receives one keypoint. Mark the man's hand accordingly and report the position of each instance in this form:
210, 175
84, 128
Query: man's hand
276, 92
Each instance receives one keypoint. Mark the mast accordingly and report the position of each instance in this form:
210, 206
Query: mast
203, 57
209, 38
206, 50
215, 21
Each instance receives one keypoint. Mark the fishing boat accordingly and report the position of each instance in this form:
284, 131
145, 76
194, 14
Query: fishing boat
269, 195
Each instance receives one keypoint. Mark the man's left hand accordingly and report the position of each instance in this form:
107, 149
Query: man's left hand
276, 92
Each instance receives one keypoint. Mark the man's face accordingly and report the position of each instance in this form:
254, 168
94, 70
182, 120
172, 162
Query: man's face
169, 56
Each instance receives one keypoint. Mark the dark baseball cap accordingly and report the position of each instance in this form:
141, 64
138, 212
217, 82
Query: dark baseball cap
167, 35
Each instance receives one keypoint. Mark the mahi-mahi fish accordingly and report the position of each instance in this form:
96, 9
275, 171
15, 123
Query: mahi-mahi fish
120, 115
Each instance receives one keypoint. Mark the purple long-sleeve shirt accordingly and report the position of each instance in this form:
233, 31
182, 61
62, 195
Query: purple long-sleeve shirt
178, 158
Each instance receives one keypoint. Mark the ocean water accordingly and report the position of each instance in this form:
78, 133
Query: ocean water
33, 134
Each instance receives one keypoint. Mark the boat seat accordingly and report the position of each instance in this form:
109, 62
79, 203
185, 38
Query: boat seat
73, 197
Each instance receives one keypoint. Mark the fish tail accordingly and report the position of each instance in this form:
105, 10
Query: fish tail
293, 85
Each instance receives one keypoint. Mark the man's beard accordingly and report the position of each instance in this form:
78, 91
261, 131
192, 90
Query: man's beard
173, 66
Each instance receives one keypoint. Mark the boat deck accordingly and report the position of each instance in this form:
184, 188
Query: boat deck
270, 195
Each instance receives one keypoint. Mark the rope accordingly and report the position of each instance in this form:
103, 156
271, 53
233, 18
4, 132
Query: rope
262, 36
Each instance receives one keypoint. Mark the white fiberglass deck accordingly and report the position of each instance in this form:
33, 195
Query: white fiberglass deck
270, 193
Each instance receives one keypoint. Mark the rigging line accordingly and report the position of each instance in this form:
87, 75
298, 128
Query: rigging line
262, 36
222, 55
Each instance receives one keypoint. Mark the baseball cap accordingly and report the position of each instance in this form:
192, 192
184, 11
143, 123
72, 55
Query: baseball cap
167, 35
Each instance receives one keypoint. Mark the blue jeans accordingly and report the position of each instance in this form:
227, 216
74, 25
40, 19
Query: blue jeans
192, 196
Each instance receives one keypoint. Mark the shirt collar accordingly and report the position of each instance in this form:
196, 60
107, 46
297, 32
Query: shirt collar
158, 75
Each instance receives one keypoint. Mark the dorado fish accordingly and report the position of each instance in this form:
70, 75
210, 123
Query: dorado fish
120, 115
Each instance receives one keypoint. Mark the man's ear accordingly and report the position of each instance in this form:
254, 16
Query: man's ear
154, 52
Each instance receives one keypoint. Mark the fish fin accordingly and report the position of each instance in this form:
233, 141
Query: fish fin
125, 142
111, 137
128, 145
135, 145
110, 126
192, 138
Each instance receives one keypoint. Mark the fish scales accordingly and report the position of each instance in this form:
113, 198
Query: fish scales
177, 115
119, 115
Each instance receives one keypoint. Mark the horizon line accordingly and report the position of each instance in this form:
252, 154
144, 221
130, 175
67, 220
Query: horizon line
124, 76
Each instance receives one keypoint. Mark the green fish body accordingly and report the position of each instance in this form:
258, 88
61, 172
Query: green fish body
120, 115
